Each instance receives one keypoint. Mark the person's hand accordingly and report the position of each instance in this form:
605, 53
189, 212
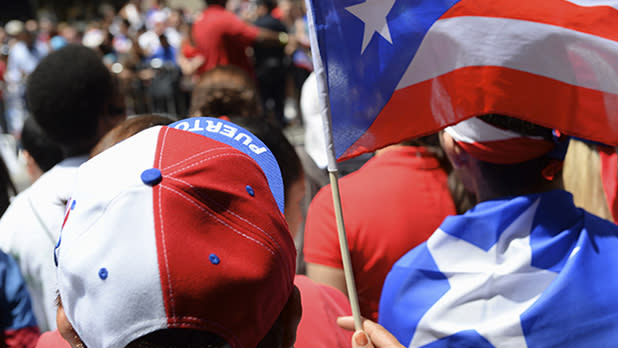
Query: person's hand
373, 335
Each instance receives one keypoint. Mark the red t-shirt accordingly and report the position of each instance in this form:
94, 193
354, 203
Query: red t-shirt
322, 305
390, 205
222, 38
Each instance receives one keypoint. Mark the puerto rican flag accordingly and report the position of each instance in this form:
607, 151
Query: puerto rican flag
397, 69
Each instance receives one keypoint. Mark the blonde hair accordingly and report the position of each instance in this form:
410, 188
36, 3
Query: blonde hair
582, 177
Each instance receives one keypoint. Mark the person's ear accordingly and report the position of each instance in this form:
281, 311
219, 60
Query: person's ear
460, 157
290, 318
455, 153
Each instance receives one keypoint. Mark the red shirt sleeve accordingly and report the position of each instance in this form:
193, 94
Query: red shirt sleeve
321, 244
240, 31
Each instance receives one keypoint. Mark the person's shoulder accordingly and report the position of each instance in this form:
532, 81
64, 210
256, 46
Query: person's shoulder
15, 214
598, 226
55, 179
47, 189
19, 46
270, 22
52, 339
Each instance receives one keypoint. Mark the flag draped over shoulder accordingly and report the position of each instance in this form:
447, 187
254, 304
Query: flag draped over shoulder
526, 271
397, 69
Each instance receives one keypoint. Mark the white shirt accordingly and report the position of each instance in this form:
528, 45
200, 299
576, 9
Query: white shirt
22, 61
29, 230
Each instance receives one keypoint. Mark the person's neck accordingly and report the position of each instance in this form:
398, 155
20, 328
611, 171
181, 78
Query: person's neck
486, 192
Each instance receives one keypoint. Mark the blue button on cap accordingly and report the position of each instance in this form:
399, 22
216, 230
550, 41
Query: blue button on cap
103, 273
250, 190
151, 177
214, 259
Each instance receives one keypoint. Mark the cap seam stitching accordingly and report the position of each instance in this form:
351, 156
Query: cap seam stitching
193, 156
208, 159
170, 291
230, 211
224, 223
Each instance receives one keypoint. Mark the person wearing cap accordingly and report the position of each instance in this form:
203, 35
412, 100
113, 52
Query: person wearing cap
72, 97
184, 243
223, 38
524, 268
322, 304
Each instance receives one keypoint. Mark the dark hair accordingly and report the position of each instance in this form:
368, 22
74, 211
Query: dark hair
517, 125
191, 338
67, 93
7, 188
272, 136
179, 338
462, 199
45, 152
216, 2
225, 91
269, 4
519, 176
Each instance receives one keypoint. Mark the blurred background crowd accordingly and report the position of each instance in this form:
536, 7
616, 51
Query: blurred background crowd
149, 47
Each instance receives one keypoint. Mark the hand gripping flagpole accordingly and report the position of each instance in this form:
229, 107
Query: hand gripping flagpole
325, 112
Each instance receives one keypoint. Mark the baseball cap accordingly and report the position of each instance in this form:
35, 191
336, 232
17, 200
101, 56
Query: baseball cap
178, 226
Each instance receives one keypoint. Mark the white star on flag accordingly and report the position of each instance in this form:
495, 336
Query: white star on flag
373, 14
486, 292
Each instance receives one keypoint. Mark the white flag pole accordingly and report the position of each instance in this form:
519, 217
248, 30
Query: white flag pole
333, 171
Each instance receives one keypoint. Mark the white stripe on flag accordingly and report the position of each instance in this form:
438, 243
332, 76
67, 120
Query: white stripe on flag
537, 48
592, 3
474, 130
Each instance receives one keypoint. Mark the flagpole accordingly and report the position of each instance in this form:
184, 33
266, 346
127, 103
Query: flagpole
333, 171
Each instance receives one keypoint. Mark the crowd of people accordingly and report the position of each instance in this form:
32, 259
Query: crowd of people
169, 209
158, 53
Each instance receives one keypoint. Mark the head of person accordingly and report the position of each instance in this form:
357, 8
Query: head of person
127, 128
265, 7
216, 2
496, 155
72, 96
14, 28
175, 237
289, 163
225, 91
40, 151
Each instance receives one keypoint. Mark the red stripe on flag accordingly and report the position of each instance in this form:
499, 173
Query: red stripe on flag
422, 108
595, 20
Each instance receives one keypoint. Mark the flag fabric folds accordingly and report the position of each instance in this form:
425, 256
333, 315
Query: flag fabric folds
529, 271
398, 69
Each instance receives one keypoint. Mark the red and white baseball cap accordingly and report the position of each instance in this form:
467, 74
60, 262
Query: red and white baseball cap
177, 227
